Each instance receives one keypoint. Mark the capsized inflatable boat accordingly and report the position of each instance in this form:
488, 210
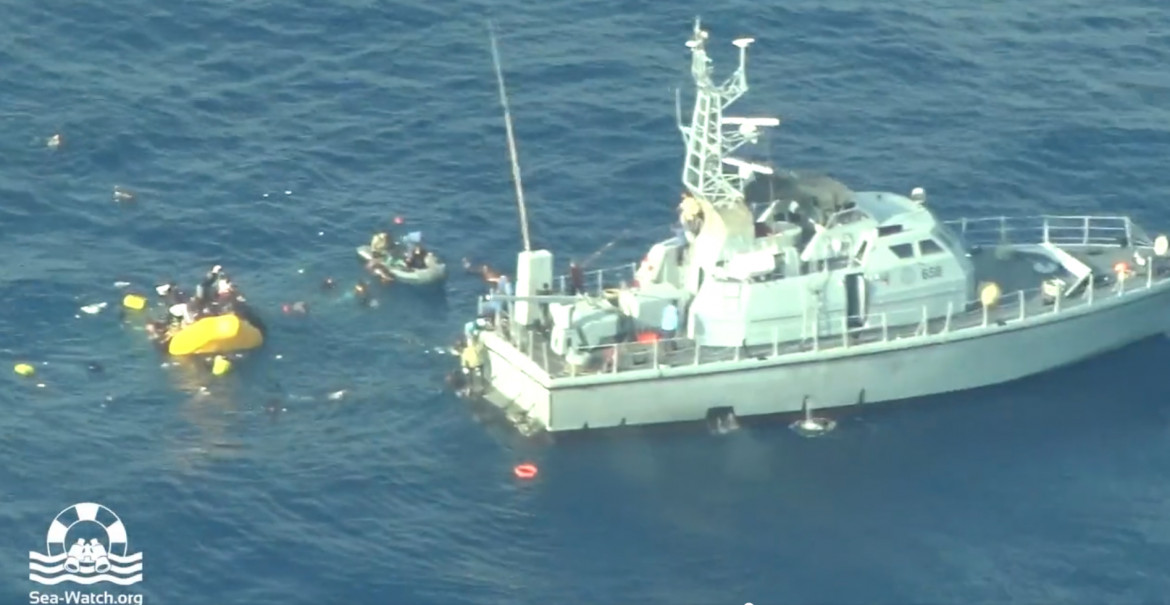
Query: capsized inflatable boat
227, 333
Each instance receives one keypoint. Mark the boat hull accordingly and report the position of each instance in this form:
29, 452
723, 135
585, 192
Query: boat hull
227, 333
845, 376
432, 275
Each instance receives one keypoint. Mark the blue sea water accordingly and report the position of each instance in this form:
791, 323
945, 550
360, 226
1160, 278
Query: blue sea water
273, 137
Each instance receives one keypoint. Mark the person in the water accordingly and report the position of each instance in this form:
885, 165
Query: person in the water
380, 271
361, 293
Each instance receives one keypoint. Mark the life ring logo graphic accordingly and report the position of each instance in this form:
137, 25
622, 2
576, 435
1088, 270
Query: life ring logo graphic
86, 544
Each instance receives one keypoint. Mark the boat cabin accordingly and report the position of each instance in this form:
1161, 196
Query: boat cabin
819, 259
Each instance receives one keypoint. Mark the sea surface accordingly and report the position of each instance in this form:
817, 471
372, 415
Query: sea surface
273, 137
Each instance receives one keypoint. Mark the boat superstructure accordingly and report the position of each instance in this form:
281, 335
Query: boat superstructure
776, 287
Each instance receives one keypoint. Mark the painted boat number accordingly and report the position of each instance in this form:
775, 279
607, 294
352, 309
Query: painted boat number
932, 272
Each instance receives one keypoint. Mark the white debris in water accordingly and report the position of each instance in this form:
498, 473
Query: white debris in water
121, 284
278, 356
287, 192
336, 395
95, 308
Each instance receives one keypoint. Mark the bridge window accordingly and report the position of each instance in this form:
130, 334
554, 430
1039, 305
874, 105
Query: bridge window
928, 247
889, 230
903, 250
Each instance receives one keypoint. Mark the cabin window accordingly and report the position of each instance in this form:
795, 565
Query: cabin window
903, 250
889, 230
928, 247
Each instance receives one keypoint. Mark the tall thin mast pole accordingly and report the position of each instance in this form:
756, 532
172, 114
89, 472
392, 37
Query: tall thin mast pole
511, 141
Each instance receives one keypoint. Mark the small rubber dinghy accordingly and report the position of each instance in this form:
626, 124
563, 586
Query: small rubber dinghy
406, 260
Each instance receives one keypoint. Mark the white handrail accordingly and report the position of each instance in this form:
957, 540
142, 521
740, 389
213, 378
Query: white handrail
881, 328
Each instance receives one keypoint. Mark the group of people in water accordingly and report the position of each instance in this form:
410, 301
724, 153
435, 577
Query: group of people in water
214, 295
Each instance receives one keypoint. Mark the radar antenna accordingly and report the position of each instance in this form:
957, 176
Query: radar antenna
511, 140
708, 145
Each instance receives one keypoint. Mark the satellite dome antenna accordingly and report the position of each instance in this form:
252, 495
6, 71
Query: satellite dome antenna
809, 425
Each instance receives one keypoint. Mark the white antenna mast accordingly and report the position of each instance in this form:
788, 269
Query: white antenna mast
511, 141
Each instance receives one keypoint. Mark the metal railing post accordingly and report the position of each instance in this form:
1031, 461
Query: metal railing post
845, 331
1056, 300
1149, 273
1020, 297
697, 347
600, 281
1046, 230
1092, 286
657, 345
775, 341
616, 351
1085, 231
950, 310
885, 328
984, 315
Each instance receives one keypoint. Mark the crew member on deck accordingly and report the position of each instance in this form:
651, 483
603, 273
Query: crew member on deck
669, 321
576, 279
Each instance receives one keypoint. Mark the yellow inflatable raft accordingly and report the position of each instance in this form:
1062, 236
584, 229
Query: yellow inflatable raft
213, 335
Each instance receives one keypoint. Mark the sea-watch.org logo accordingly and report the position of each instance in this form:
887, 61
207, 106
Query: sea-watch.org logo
86, 544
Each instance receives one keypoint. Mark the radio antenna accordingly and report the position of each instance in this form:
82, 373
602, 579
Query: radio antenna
511, 140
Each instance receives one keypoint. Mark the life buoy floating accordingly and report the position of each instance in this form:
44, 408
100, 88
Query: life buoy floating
525, 471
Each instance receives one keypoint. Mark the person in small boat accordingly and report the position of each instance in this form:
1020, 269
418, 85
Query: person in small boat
417, 258
380, 245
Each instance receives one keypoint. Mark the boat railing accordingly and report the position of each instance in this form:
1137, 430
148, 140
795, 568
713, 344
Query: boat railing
878, 329
1074, 230
596, 281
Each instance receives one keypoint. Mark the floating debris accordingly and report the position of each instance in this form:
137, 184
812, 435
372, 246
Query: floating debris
55, 141
336, 395
121, 284
95, 308
121, 194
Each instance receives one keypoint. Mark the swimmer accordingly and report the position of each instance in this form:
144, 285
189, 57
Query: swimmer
488, 274
361, 292
380, 271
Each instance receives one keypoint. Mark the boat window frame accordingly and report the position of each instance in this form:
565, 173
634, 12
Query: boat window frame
938, 248
905, 246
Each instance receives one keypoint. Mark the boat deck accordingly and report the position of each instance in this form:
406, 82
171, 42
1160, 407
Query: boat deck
1019, 270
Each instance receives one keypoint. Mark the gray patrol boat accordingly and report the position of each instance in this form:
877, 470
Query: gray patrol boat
793, 288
